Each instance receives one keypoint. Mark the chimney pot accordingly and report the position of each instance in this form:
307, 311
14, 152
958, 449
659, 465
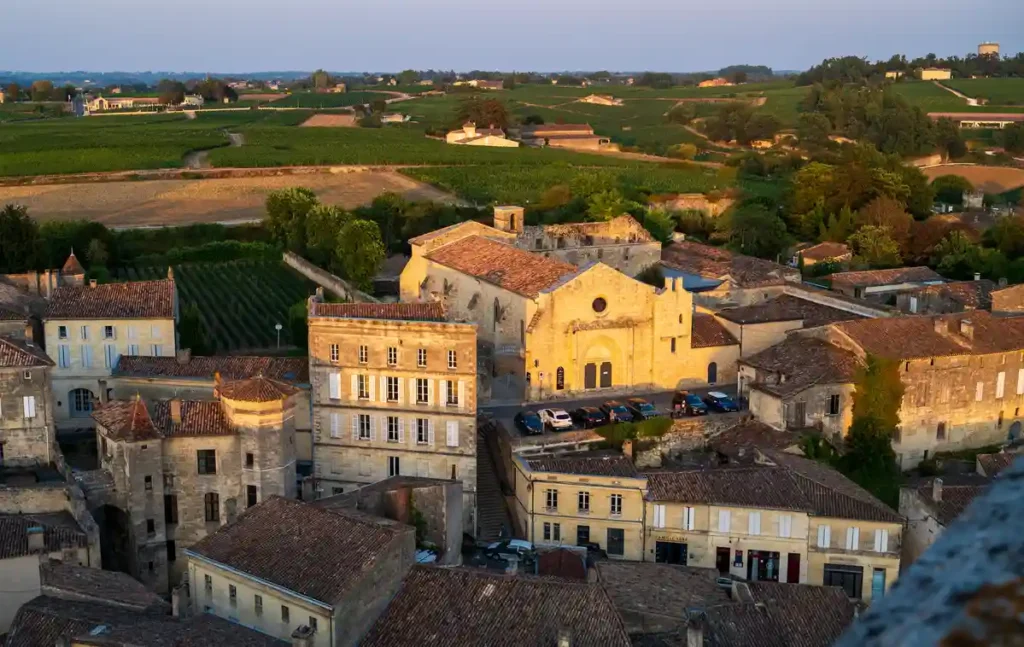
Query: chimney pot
176, 411
967, 328
1002, 281
937, 490
695, 629
92, 283
977, 276
564, 638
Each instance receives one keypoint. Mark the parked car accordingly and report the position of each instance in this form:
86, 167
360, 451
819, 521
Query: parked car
529, 423
688, 404
641, 409
720, 402
556, 419
616, 411
517, 548
594, 550
589, 417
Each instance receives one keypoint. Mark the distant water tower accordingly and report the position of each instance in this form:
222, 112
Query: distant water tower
988, 48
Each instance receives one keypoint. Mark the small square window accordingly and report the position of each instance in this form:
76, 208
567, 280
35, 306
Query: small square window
62, 332
108, 332
250, 460
149, 484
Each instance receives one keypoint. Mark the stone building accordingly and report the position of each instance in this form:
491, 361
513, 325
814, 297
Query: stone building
1008, 300
181, 469
394, 393
286, 567
720, 278
826, 251
947, 298
470, 135
930, 506
880, 285
87, 327
574, 136
27, 431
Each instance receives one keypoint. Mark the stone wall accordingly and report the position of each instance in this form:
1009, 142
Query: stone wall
333, 284
686, 435
26, 440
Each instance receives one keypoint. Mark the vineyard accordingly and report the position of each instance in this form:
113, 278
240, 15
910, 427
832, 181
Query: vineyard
239, 301
328, 100
998, 92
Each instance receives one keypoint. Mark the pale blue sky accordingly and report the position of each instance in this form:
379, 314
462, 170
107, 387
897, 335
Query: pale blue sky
542, 35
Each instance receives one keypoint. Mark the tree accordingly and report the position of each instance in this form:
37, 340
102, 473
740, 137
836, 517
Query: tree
682, 113
323, 226
320, 79
215, 91
887, 212
1007, 234
739, 77
658, 80
388, 211
19, 240
958, 257
839, 227
810, 187
360, 252
878, 391
171, 93
193, 332
874, 247
754, 230
950, 188
298, 325
1012, 138
555, 197
12, 92
948, 138
605, 205
484, 112
813, 128
408, 77
533, 120
96, 254
286, 217
660, 224
42, 90
683, 151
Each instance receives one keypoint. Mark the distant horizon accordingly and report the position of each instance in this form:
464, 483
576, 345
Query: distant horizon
237, 37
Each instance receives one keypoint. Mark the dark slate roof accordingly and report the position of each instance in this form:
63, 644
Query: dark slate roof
63, 580
58, 531
584, 465
708, 331
17, 353
741, 440
787, 308
662, 589
894, 276
803, 362
294, 370
45, 620
202, 630
457, 607
317, 552
955, 499
432, 311
134, 300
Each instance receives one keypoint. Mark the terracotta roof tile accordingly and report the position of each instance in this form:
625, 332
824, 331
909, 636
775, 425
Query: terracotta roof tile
56, 534
200, 630
584, 465
787, 308
257, 389
503, 265
16, 353
46, 620
126, 420
955, 499
7, 314
483, 228
976, 295
663, 589
481, 608
708, 331
914, 337
111, 587
72, 266
717, 263
896, 275
134, 300
317, 552
803, 362
993, 464
432, 311
741, 440
198, 418
825, 251
294, 370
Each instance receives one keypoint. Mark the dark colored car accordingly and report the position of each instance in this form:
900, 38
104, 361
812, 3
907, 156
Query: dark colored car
616, 411
720, 402
690, 404
641, 409
529, 423
589, 417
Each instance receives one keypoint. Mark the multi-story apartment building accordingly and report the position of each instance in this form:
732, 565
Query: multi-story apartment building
181, 469
581, 499
793, 520
27, 432
394, 392
87, 327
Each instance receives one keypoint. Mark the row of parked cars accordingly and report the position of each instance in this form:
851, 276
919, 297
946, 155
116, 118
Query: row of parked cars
684, 403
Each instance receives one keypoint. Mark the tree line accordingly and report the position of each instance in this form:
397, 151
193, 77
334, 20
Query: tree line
854, 69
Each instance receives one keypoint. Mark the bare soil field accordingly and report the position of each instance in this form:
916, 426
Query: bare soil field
990, 179
225, 200
330, 121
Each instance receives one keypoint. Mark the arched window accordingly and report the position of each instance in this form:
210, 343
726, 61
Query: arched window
80, 401
560, 378
712, 373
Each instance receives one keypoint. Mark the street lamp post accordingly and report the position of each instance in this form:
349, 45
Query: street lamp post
278, 328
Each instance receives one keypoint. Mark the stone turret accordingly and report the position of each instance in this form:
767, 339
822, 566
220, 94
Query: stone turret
72, 274
509, 218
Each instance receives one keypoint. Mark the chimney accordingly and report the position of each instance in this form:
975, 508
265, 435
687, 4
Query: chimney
216, 384
564, 638
977, 276
92, 283
36, 539
176, 411
740, 592
627, 449
967, 328
469, 128
1002, 281
184, 356
940, 325
695, 629
303, 636
937, 490
170, 272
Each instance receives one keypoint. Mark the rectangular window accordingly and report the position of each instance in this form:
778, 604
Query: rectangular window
334, 384
547, 531
824, 536
149, 483
170, 508
250, 459
394, 468
451, 393
29, 405
233, 595
363, 387
391, 386
208, 583
64, 356
940, 431
257, 604
312, 623
850, 578
335, 424
452, 433
62, 332
285, 614
364, 426
108, 332
251, 495
881, 541
109, 355
422, 431
979, 391
582, 535
556, 532
1020, 381
392, 356
833, 404
133, 350
616, 541
583, 501
364, 354
84, 333
689, 518
615, 504
157, 350
672, 344
551, 499
335, 353
659, 515
393, 429
86, 356
724, 520
421, 357
150, 527
422, 391
453, 360
785, 525
212, 504
206, 460
754, 523
133, 332
852, 538
1000, 384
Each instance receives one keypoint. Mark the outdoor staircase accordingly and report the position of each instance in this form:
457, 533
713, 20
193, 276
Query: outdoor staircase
492, 512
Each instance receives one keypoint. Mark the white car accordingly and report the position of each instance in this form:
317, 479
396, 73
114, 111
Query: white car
557, 419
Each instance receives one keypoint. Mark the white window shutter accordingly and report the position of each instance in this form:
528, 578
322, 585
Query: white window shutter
785, 526
754, 523
1020, 381
373, 428
355, 387
132, 332
334, 384
852, 538
444, 392
401, 431
979, 391
335, 424
1000, 384
881, 541
462, 394
688, 518
401, 391
355, 426
453, 433
30, 406
430, 432
659, 515
724, 521
373, 395
412, 390
824, 536
383, 388
430, 393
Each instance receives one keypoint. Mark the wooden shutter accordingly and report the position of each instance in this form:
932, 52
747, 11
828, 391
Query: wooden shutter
462, 394
401, 429
452, 433
355, 426
430, 393
335, 424
430, 432
724, 521
334, 385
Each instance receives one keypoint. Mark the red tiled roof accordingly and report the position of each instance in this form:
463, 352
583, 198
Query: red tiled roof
72, 266
134, 300
803, 362
503, 265
717, 263
894, 276
916, 336
198, 418
708, 331
18, 353
126, 420
787, 308
431, 235
971, 294
584, 465
825, 251
993, 464
432, 311
955, 499
14, 535
257, 389
294, 370
320, 553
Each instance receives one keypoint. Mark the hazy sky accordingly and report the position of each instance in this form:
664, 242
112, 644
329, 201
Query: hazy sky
542, 35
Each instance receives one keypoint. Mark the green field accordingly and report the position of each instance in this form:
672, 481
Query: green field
317, 100
928, 96
239, 301
998, 92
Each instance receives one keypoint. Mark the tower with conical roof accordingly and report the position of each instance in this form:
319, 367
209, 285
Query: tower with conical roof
72, 274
